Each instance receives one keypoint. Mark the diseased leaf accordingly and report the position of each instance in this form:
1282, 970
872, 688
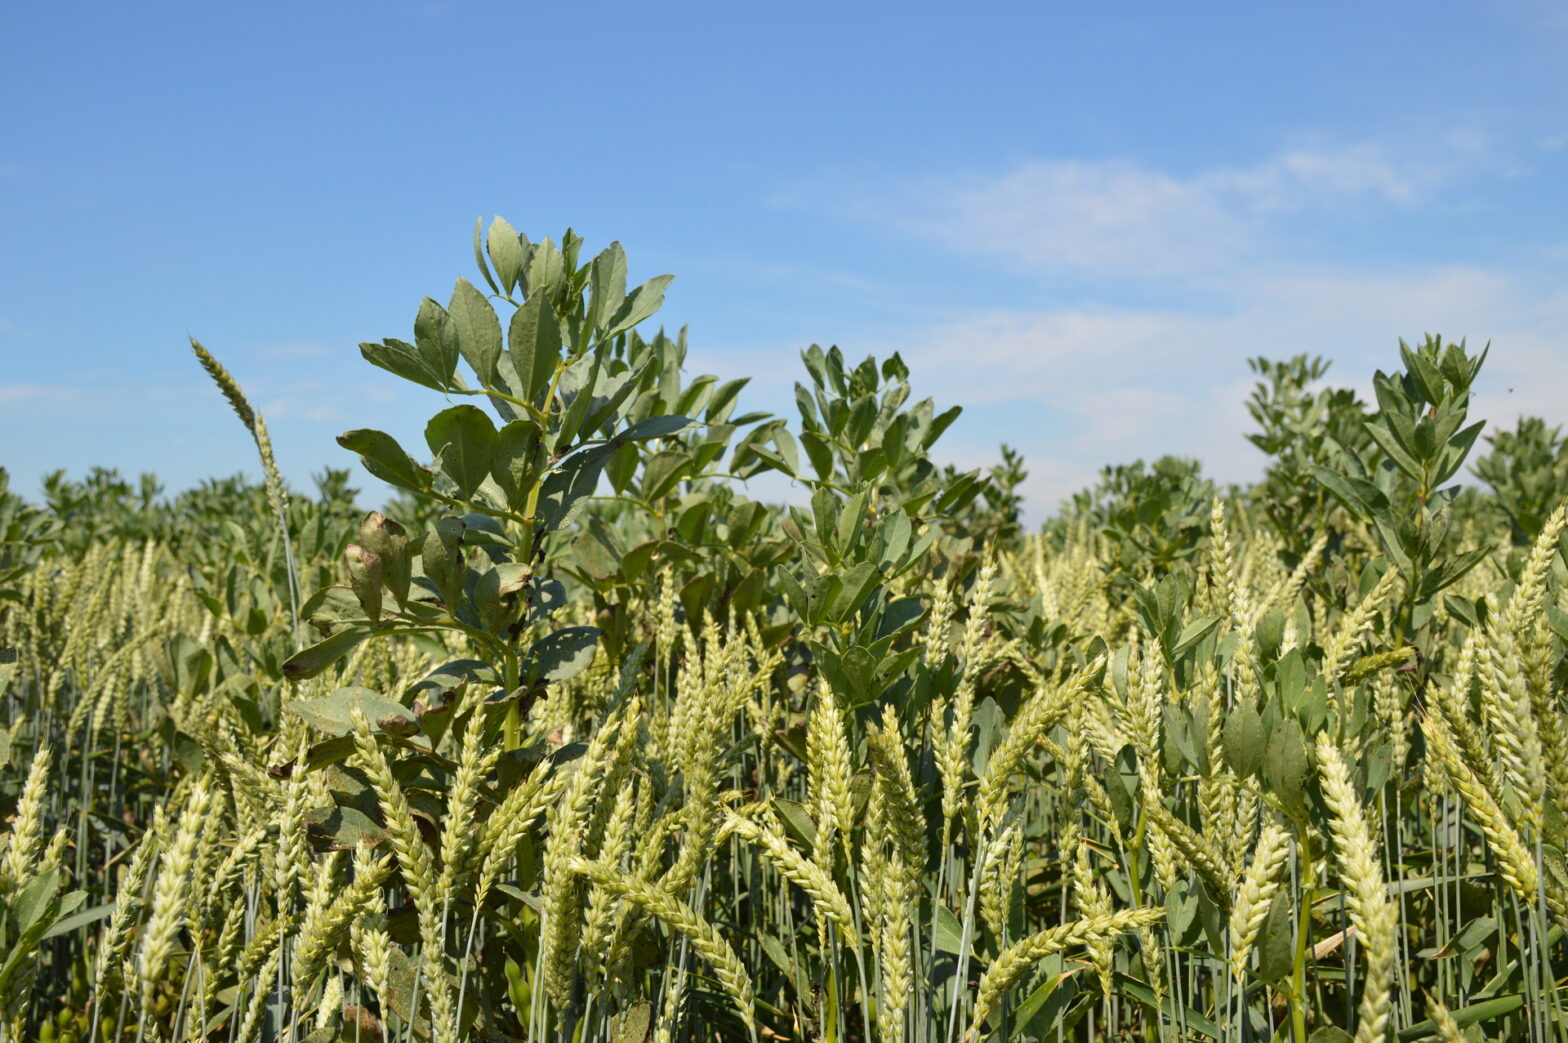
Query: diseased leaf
563, 654
566, 488
341, 828
436, 337
333, 714
308, 662
633, 1024
365, 574
385, 459
403, 359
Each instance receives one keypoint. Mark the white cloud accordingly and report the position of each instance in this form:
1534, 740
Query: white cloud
1052, 356
1069, 213
50, 395
284, 352
1118, 217
1118, 385
1304, 177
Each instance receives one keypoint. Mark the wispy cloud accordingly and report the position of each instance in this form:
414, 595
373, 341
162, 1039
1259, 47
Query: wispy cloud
293, 350
323, 401
1117, 217
298, 400
52, 395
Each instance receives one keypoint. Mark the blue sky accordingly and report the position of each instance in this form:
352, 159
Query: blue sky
1076, 220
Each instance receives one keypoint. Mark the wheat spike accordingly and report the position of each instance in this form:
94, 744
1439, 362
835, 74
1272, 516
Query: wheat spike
1371, 911
704, 937
1258, 887
1017, 958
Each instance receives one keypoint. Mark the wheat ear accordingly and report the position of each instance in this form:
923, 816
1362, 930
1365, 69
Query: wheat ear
277, 495
704, 937
1017, 958
1371, 912
21, 858
1514, 862
830, 902
1258, 887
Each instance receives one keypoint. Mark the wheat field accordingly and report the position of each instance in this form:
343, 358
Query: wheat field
573, 741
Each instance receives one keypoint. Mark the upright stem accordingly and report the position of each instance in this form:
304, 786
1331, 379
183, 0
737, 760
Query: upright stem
512, 726
1298, 977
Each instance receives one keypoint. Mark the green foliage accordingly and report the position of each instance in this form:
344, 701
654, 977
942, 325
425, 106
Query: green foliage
1527, 470
994, 518
1154, 515
572, 388
24, 534
1302, 426
1421, 439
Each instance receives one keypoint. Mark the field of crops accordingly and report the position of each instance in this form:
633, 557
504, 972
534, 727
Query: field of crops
573, 741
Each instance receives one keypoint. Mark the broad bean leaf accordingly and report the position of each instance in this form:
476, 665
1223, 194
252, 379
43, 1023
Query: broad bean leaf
330, 609
403, 359
606, 284
1276, 942
65, 924
385, 459
534, 343
1285, 764
1330, 1034
464, 441
566, 488
517, 461
562, 655
436, 337
342, 828
389, 541
365, 575
638, 305
478, 330
546, 271
1244, 739
632, 1025
308, 662
333, 714
452, 675
1361, 498
29, 904
506, 253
